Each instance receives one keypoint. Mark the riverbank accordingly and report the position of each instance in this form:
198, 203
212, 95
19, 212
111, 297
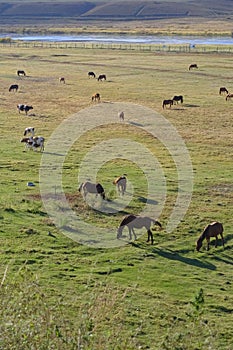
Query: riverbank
197, 27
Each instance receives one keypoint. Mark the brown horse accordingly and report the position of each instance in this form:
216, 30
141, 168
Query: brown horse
134, 221
14, 87
62, 80
223, 90
229, 96
96, 97
121, 183
89, 187
194, 65
212, 230
167, 103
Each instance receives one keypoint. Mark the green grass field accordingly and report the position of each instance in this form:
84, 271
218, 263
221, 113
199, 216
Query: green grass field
59, 294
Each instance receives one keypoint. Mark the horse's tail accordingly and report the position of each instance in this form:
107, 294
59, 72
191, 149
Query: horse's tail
181, 99
80, 187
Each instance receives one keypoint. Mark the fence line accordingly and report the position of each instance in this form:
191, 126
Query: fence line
125, 46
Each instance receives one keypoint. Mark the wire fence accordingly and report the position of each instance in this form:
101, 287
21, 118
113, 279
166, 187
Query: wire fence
184, 48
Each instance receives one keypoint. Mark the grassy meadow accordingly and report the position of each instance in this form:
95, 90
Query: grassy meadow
59, 294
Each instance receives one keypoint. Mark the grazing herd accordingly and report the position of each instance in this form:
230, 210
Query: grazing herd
130, 221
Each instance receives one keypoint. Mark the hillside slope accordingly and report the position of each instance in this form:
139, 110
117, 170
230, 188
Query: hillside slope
115, 10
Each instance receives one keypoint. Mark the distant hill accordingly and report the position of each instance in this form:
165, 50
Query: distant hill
113, 10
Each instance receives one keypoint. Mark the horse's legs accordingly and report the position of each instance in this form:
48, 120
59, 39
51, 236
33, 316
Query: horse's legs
150, 236
222, 239
135, 237
208, 244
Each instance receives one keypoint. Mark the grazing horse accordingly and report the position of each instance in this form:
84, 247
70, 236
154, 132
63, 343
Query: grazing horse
229, 96
134, 221
121, 116
21, 72
14, 87
102, 77
34, 142
194, 65
89, 187
91, 75
62, 80
212, 230
96, 97
178, 98
223, 90
121, 183
167, 102
24, 108
29, 130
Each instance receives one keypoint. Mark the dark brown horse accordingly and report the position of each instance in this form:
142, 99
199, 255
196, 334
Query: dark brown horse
194, 65
223, 90
89, 187
212, 230
91, 75
178, 99
121, 183
167, 103
134, 221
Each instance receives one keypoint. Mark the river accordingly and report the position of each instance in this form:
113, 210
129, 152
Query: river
128, 39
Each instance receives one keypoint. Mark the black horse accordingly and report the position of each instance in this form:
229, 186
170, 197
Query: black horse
91, 75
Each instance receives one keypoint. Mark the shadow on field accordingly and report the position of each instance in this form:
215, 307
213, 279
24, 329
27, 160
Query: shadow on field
148, 201
169, 254
134, 123
190, 105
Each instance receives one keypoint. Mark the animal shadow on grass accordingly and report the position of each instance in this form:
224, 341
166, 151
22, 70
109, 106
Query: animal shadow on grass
169, 254
136, 124
147, 200
191, 105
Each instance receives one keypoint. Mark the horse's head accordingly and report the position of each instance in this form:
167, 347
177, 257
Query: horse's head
80, 187
119, 232
103, 195
198, 244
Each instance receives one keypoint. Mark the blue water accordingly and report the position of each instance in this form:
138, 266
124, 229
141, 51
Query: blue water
141, 39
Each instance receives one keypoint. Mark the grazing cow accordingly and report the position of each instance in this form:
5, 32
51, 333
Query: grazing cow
121, 182
35, 143
229, 96
24, 108
178, 98
89, 187
102, 77
14, 87
96, 97
134, 221
212, 230
192, 66
62, 80
121, 116
167, 103
21, 72
91, 75
29, 130
223, 90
